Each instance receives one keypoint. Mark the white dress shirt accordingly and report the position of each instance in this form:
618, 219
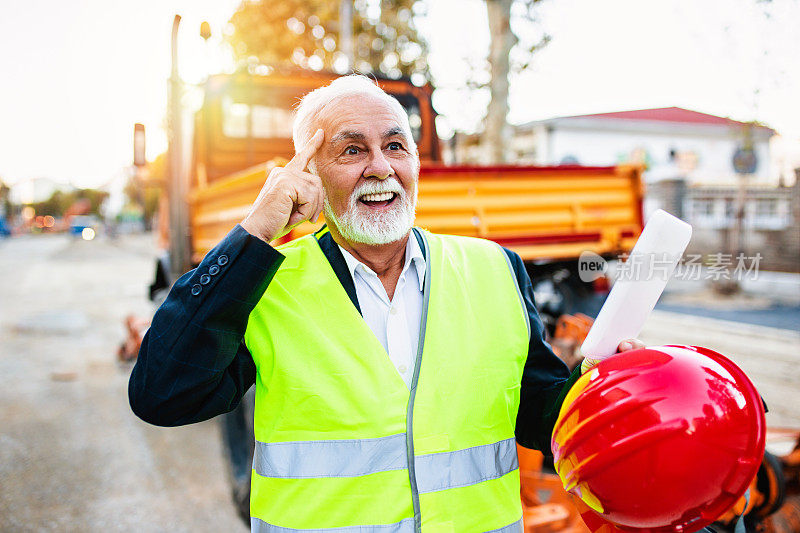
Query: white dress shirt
394, 322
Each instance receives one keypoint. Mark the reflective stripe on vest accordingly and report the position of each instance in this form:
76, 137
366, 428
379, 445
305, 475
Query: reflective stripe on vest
404, 526
330, 458
342, 443
448, 470
349, 458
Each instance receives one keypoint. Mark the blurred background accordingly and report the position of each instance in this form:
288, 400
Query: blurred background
132, 140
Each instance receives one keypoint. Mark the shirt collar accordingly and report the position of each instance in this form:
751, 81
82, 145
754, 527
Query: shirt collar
413, 256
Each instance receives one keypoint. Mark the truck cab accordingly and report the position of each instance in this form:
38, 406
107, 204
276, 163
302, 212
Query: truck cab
246, 119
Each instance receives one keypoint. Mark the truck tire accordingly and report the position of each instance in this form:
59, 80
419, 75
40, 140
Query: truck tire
238, 442
554, 297
560, 291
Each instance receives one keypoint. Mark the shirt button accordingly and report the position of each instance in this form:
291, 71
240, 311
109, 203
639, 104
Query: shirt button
196, 289
205, 279
393, 311
402, 369
222, 260
213, 270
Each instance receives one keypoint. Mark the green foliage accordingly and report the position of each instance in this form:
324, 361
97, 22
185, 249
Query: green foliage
61, 201
146, 198
55, 206
95, 197
305, 33
5, 200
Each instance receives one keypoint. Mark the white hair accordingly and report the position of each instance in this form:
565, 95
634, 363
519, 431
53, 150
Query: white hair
312, 104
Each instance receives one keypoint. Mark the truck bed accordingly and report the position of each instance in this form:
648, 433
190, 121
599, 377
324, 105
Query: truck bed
542, 213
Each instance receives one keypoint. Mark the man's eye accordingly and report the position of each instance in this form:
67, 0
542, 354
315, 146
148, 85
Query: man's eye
351, 150
395, 146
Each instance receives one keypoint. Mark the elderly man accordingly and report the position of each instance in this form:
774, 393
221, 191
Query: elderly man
395, 369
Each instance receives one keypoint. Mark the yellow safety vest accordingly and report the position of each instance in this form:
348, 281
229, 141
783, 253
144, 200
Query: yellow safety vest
341, 442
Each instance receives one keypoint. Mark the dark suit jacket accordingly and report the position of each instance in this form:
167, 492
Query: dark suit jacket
193, 363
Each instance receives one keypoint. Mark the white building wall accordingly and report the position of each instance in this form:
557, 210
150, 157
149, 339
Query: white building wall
713, 148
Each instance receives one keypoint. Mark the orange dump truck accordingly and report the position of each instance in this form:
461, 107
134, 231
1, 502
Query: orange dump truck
548, 215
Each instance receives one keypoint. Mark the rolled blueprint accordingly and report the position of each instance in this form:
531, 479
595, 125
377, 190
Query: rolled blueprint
640, 282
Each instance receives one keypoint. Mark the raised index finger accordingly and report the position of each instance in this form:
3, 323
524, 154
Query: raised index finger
301, 158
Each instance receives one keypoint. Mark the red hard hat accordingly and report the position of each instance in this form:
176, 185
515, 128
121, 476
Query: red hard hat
661, 439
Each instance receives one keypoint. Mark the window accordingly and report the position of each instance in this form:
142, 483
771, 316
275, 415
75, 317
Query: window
411, 105
766, 207
267, 121
276, 122
704, 208
730, 208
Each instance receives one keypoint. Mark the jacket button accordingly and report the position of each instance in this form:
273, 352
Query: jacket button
222, 260
196, 289
213, 270
205, 279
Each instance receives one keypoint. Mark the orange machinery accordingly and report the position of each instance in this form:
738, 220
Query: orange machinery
542, 213
546, 214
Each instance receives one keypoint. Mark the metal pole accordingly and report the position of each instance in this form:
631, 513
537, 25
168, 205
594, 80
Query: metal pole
176, 184
346, 32
737, 241
139, 170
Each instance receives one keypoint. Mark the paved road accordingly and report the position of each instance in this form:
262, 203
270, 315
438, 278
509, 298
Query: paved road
72, 455
776, 316
760, 336
769, 356
747, 309
74, 458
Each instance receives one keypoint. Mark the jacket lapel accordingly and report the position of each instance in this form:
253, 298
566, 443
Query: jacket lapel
339, 266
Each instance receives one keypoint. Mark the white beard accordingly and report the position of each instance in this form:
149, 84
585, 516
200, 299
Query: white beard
358, 225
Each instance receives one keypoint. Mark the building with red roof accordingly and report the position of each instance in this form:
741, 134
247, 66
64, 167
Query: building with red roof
671, 142
676, 115
695, 167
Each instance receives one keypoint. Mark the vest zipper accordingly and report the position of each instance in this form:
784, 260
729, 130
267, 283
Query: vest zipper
426, 295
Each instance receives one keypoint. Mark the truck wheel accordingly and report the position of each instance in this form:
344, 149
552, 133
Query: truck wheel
771, 484
554, 297
238, 441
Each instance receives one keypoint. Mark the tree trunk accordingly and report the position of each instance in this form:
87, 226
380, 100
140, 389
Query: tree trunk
497, 132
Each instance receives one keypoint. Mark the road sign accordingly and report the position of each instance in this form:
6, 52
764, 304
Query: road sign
745, 160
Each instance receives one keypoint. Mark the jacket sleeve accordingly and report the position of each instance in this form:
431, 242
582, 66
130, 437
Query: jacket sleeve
193, 364
545, 378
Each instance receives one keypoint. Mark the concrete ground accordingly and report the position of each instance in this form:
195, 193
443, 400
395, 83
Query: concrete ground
769, 356
74, 458
767, 299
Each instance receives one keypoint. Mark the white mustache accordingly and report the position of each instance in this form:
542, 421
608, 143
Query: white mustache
378, 187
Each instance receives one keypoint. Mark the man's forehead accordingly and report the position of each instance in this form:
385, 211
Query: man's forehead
359, 116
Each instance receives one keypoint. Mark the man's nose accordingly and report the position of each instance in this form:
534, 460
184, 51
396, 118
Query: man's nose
378, 167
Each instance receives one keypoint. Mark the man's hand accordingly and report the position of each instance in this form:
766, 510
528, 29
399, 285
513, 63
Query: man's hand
624, 346
289, 196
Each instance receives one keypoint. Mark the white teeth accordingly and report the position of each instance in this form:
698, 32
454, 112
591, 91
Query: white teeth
378, 197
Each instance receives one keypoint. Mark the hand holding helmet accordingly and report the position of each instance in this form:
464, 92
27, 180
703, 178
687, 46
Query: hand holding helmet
660, 439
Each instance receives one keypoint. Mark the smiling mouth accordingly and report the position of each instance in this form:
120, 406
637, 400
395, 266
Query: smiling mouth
381, 199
